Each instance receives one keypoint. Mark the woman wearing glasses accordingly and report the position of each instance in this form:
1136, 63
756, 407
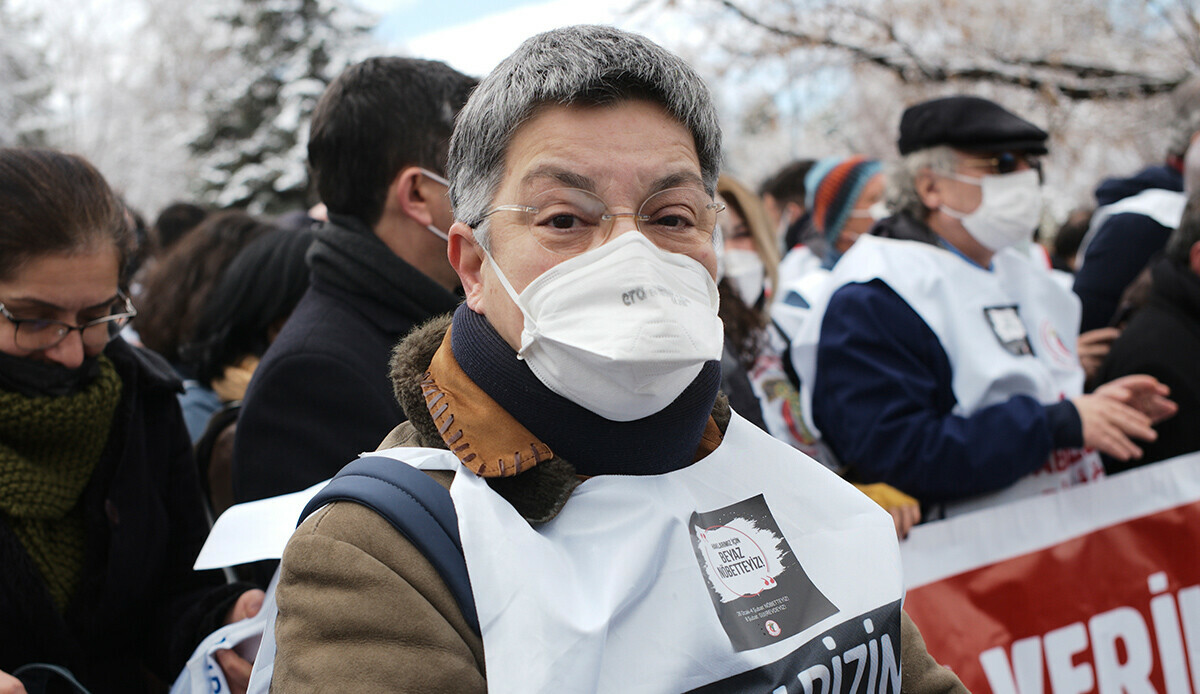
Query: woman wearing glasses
100, 515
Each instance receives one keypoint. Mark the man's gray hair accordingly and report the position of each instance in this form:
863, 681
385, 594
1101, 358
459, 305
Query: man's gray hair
901, 191
1191, 169
1185, 104
584, 65
1187, 234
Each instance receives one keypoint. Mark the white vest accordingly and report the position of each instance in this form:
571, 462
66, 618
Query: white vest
1163, 206
800, 280
1009, 331
753, 569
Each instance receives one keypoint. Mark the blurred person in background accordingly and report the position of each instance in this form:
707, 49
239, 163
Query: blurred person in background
244, 313
100, 513
1163, 337
378, 267
1068, 237
755, 365
751, 371
847, 199
783, 199
939, 359
1134, 218
175, 292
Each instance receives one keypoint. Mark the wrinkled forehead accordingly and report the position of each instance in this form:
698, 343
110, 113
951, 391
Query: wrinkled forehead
631, 145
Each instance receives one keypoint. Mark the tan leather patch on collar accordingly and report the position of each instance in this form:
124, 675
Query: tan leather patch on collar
487, 439
709, 440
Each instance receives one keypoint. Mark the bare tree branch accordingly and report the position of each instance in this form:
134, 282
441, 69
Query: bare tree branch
1078, 81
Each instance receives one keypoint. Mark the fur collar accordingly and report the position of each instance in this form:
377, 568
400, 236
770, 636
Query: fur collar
539, 493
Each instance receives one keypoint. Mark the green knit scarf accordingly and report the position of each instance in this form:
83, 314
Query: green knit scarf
49, 447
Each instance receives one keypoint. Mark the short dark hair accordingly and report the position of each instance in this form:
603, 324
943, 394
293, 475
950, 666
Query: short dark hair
1187, 234
176, 289
787, 184
174, 221
377, 117
258, 290
54, 203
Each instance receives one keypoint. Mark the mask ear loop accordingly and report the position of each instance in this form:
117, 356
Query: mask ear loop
530, 329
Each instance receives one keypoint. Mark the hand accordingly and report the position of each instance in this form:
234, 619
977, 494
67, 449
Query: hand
1093, 346
10, 684
1143, 393
248, 604
1109, 424
236, 668
905, 510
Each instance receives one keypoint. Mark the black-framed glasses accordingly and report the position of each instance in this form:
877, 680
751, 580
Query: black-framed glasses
1007, 162
43, 333
570, 221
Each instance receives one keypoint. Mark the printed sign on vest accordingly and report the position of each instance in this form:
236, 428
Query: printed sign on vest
760, 591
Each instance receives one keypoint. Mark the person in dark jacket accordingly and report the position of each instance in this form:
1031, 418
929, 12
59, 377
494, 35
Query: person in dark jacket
1133, 219
321, 394
1163, 340
100, 512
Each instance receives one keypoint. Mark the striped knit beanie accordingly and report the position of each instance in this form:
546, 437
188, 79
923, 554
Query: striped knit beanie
813, 179
837, 193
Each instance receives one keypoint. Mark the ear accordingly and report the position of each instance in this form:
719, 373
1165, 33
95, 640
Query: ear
794, 210
467, 259
927, 189
1194, 258
411, 192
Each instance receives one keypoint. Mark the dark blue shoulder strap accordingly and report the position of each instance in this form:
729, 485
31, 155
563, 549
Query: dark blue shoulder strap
416, 506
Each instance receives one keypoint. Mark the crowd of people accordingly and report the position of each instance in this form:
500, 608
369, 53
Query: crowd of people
580, 354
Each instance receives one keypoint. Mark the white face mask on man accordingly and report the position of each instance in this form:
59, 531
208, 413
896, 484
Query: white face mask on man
1009, 209
622, 329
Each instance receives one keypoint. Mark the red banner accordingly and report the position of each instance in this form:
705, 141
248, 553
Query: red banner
1093, 589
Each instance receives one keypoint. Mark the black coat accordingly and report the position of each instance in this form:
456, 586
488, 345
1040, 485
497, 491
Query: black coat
322, 393
140, 608
1163, 340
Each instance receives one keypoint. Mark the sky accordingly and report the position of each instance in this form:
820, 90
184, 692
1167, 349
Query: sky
474, 35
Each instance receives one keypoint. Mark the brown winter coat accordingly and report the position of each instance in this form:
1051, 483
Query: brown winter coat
360, 608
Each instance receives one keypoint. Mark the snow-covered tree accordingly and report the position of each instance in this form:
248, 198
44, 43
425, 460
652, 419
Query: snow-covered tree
24, 81
811, 78
252, 152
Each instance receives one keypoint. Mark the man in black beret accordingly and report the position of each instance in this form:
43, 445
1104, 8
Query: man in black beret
942, 361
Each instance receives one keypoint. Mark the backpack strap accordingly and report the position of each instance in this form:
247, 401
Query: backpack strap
419, 508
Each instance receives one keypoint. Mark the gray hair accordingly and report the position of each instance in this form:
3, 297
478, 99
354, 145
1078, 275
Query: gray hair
1185, 105
901, 190
586, 65
1191, 169
1187, 234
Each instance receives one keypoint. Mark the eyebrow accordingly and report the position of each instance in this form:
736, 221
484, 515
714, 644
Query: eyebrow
567, 178
31, 301
574, 180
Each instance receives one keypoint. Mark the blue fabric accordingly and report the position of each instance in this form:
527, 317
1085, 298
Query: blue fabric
417, 507
1122, 246
1117, 254
883, 401
198, 404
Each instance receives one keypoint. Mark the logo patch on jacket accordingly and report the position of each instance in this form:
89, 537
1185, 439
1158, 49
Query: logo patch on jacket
1009, 329
760, 591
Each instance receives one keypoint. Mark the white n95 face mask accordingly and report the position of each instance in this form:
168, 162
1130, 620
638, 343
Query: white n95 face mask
744, 269
620, 330
1009, 211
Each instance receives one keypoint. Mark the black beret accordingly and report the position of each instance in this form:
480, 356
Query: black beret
968, 123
